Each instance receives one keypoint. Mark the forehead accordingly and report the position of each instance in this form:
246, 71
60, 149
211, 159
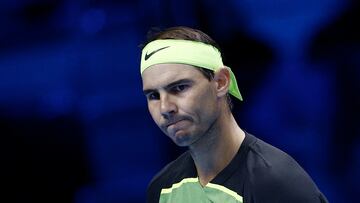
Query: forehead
160, 75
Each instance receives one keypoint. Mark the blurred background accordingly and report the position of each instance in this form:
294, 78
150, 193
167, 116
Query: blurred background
74, 124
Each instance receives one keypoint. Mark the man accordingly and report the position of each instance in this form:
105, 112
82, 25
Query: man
187, 89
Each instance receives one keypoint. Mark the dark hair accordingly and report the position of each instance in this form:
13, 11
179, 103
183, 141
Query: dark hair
186, 33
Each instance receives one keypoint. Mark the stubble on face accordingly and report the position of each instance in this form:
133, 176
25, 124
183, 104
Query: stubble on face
196, 107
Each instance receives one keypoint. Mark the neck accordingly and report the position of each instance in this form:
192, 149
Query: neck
214, 151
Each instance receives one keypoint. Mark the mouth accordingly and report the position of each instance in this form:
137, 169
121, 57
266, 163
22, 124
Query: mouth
173, 122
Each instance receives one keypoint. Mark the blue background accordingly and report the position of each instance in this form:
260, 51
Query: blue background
74, 124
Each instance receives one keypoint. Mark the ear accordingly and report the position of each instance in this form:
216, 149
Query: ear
222, 80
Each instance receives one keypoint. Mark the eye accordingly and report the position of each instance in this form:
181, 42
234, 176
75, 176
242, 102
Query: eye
179, 88
153, 96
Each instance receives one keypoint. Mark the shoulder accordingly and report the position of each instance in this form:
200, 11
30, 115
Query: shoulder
273, 174
171, 173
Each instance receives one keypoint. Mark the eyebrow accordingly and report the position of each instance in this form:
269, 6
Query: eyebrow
168, 86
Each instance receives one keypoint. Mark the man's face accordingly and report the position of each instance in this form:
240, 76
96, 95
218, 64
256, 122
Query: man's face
182, 102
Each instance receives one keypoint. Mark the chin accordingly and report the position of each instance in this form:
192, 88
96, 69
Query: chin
182, 144
182, 139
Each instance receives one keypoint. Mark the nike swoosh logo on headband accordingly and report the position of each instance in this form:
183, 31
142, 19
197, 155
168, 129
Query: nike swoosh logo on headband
147, 56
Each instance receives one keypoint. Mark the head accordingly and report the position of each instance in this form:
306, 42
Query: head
186, 100
186, 33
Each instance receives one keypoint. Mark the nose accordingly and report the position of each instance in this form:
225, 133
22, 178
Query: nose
167, 107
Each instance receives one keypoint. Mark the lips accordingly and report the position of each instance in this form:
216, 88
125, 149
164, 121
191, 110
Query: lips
173, 122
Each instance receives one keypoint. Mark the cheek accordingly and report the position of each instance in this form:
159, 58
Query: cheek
202, 105
154, 114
